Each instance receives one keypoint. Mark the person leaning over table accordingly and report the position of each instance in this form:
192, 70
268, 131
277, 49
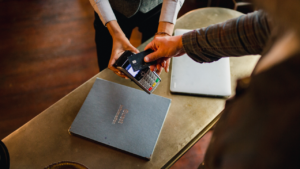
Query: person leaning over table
259, 126
119, 17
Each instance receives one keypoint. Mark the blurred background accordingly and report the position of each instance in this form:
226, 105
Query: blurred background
47, 49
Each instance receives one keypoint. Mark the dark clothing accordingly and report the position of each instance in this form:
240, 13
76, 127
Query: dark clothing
129, 8
147, 23
259, 126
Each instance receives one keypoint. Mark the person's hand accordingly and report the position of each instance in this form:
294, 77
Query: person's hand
120, 45
161, 63
164, 48
164, 29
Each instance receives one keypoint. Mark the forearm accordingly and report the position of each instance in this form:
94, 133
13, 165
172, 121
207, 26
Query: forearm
114, 29
104, 10
245, 35
120, 45
166, 27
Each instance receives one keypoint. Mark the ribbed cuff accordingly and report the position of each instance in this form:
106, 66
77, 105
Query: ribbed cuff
104, 11
169, 11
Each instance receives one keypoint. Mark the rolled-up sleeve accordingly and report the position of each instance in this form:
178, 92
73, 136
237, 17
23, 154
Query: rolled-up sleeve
104, 10
244, 35
170, 9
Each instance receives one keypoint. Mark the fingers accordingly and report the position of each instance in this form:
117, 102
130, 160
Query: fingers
159, 69
154, 45
134, 50
121, 74
112, 68
117, 71
158, 66
163, 63
119, 47
149, 46
167, 65
111, 62
153, 56
152, 67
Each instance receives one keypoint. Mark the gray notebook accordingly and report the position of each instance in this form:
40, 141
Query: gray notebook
122, 117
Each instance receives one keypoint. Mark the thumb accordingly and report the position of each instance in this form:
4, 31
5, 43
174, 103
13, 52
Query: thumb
149, 45
152, 57
133, 49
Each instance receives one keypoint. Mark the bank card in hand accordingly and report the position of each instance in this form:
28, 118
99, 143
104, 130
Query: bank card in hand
137, 60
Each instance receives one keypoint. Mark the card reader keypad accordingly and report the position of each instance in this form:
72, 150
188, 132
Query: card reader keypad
150, 80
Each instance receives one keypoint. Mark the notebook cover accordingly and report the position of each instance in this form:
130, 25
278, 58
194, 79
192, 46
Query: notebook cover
122, 117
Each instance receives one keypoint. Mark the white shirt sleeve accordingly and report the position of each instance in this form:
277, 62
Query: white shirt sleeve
170, 9
104, 10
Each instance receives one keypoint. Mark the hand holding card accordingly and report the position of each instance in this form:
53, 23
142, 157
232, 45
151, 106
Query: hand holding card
137, 60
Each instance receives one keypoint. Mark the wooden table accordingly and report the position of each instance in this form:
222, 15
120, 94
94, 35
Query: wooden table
45, 140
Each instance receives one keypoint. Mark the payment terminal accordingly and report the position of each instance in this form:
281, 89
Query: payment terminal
144, 78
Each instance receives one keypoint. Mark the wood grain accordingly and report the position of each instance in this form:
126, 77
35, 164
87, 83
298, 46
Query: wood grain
47, 49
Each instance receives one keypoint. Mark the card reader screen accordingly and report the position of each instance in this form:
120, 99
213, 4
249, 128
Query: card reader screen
131, 71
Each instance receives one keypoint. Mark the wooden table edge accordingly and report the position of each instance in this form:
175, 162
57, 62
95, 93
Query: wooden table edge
192, 142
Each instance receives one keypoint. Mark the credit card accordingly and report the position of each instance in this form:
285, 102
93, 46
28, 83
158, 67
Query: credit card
137, 60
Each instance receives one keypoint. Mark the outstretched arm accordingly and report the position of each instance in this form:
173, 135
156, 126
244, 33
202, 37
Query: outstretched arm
247, 34
244, 35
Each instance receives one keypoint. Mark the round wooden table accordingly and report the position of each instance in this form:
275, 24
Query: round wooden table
45, 140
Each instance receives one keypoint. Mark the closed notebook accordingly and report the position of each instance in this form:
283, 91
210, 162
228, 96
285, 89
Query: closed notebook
122, 117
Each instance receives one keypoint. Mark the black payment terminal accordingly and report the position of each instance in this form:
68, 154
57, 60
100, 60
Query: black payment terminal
144, 78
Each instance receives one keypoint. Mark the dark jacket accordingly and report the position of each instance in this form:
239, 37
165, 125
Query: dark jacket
259, 127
